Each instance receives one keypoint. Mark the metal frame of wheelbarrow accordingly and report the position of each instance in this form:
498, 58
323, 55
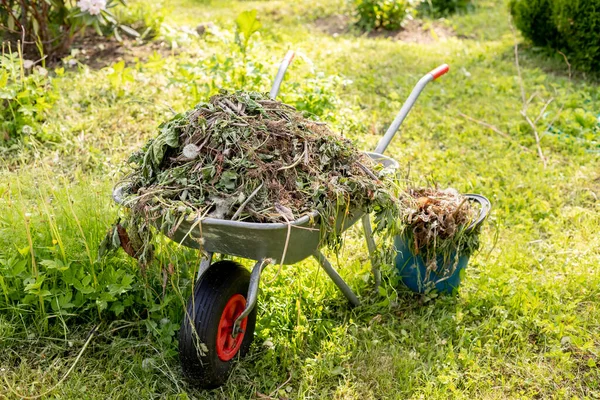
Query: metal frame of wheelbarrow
268, 242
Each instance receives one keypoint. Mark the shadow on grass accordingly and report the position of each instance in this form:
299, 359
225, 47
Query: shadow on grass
552, 63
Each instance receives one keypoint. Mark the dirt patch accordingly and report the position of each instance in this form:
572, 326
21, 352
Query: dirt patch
334, 24
414, 31
99, 52
417, 31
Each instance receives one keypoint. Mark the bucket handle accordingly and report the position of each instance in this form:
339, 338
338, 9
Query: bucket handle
486, 206
118, 194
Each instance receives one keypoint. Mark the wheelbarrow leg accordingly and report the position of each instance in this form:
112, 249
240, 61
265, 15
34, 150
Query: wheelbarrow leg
204, 264
366, 222
252, 293
336, 278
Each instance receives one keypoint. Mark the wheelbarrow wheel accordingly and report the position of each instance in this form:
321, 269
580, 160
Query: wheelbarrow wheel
207, 349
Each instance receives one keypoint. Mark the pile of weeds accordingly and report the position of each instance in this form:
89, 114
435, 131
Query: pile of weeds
437, 223
245, 157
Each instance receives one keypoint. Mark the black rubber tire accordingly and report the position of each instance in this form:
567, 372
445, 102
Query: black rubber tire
200, 363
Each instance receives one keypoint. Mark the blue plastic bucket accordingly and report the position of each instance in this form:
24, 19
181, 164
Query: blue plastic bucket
413, 271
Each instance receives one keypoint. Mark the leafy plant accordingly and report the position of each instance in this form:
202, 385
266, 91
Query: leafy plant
25, 97
380, 14
146, 18
51, 271
119, 76
578, 126
247, 25
314, 95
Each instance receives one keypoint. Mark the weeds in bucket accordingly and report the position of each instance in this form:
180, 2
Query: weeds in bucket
438, 226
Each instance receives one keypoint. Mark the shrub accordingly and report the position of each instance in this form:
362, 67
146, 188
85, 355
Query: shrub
380, 14
444, 7
534, 19
578, 23
571, 26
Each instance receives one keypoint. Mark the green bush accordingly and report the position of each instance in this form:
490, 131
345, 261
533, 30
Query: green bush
571, 26
444, 7
578, 24
534, 19
380, 14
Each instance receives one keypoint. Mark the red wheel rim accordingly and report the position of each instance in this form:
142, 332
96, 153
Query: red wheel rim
228, 346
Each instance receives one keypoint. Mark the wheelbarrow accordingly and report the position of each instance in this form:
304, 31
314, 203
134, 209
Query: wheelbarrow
220, 316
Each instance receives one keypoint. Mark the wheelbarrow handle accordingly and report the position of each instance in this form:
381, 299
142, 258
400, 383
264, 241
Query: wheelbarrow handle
287, 60
408, 104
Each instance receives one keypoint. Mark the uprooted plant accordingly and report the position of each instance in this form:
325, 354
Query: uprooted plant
245, 157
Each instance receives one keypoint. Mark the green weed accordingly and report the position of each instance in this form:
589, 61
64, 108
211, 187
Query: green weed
26, 96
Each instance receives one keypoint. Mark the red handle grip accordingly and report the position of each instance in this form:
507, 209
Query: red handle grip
439, 71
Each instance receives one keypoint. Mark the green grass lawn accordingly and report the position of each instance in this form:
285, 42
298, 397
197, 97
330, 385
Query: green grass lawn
524, 325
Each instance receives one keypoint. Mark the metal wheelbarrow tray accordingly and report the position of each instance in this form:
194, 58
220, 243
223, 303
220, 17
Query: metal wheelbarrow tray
220, 316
